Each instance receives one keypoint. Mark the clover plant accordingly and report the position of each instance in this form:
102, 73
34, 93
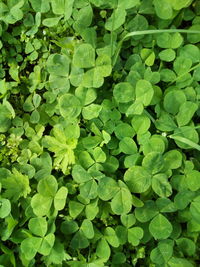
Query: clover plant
99, 133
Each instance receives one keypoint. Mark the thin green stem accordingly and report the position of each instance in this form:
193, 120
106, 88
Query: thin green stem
111, 51
179, 77
149, 115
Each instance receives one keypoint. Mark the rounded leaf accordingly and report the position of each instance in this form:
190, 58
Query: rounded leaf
123, 92
69, 106
5, 207
160, 227
84, 56
38, 226
138, 179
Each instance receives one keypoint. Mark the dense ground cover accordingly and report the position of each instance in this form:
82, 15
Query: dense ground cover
99, 133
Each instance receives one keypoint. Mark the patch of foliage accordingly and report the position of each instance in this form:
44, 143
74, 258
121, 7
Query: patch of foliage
99, 133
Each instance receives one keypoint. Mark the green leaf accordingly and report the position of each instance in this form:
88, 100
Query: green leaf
123, 92
187, 246
75, 208
41, 204
140, 123
5, 119
69, 226
107, 188
80, 175
58, 6
160, 227
83, 18
173, 100
103, 250
58, 65
179, 4
111, 237
173, 159
91, 111
193, 180
161, 185
38, 226
40, 6
84, 56
16, 186
128, 146
124, 130
135, 234
146, 212
167, 55
186, 112
60, 198
163, 252
103, 65
69, 106
195, 209
99, 155
5, 208
91, 78
163, 9
122, 201
183, 198
116, 19
128, 220
51, 22
179, 262
47, 244
186, 137
144, 92
79, 241
167, 40
154, 162
87, 228
30, 246
88, 190
138, 179
47, 186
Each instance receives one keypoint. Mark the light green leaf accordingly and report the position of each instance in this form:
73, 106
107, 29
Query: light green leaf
122, 201
47, 186
146, 212
144, 92
38, 226
84, 56
186, 112
69, 105
123, 92
138, 179
60, 198
103, 250
87, 228
160, 227
116, 19
135, 234
41, 204
161, 185
111, 237
75, 208
91, 111
30, 246
163, 252
107, 188
5, 207
47, 244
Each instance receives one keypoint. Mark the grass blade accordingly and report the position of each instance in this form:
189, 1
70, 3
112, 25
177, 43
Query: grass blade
185, 141
145, 32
